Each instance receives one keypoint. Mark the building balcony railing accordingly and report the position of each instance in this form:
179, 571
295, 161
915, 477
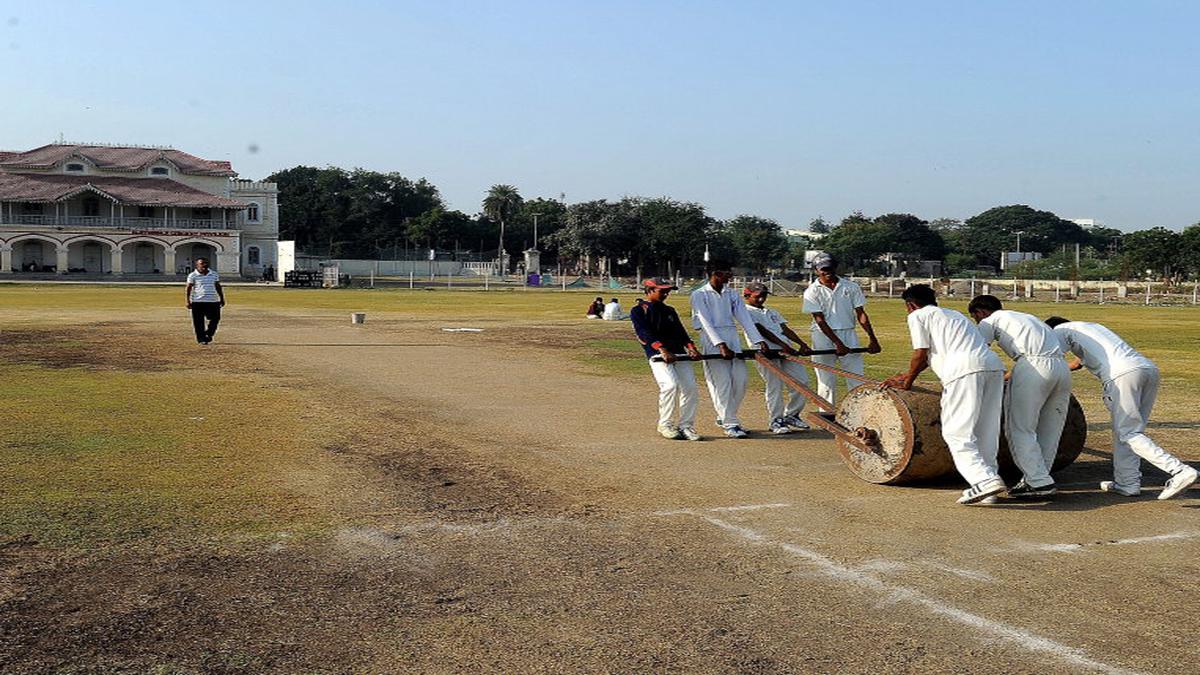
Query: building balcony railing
107, 221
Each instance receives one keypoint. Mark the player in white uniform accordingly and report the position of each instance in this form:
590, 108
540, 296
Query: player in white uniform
1038, 392
1130, 382
972, 388
784, 415
715, 309
836, 305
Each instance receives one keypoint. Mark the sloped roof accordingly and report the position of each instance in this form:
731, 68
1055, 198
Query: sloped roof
113, 158
24, 187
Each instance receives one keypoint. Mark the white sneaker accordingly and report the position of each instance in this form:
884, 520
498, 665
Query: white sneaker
796, 423
1112, 486
987, 501
1179, 482
780, 427
736, 432
982, 490
690, 434
669, 432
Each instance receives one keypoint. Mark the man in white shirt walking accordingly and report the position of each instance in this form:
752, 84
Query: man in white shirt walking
1038, 392
836, 305
715, 309
774, 329
972, 388
1130, 382
205, 298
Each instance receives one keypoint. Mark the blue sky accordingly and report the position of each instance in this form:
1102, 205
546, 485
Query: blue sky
787, 110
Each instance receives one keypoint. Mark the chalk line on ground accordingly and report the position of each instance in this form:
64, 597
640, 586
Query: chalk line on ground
896, 593
1037, 547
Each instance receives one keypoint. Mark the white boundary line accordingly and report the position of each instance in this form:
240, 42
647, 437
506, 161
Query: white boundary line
897, 593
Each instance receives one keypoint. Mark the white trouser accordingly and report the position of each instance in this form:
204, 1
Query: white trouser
971, 423
1130, 398
726, 380
827, 381
676, 388
775, 386
1035, 410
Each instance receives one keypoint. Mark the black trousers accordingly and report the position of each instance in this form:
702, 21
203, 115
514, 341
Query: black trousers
205, 310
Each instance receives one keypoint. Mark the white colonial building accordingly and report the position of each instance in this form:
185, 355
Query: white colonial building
131, 211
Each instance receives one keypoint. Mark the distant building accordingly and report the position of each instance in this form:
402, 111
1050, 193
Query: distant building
131, 210
796, 235
1085, 222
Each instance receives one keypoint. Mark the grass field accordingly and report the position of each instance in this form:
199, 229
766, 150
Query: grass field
112, 444
151, 464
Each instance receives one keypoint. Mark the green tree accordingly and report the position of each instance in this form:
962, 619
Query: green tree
550, 217
1189, 244
438, 228
988, 234
913, 238
818, 226
501, 204
674, 233
1155, 252
1104, 241
758, 243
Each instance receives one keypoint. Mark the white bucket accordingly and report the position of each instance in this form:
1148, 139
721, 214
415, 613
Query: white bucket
358, 317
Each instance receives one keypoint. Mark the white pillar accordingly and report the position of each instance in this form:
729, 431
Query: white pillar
228, 263
61, 264
5, 259
168, 261
118, 263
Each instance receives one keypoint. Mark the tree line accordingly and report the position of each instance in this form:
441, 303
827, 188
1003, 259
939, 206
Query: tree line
367, 214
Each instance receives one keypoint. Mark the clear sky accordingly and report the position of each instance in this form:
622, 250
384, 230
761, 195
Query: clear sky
787, 110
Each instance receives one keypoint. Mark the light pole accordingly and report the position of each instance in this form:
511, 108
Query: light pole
535, 217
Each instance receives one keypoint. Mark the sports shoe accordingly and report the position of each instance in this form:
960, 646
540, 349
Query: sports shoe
736, 432
1179, 482
988, 501
670, 432
1112, 486
689, 434
796, 423
780, 427
1023, 490
982, 490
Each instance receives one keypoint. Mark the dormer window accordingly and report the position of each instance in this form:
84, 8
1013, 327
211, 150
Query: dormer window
75, 167
160, 171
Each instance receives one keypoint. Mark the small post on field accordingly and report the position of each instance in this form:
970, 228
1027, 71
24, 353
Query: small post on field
372, 278
563, 280
1195, 286
889, 287
1057, 283
1148, 284
972, 287
487, 280
410, 278
1102, 291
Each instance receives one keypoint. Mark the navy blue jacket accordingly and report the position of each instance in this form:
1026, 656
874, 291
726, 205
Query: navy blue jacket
658, 325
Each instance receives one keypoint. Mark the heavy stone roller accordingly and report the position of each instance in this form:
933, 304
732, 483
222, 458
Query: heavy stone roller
894, 436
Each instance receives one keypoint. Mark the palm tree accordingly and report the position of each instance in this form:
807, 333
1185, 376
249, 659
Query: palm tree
502, 203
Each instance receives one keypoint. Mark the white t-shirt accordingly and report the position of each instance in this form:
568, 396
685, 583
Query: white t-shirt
1103, 353
837, 303
204, 286
612, 312
1020, 334
769, 319
714, 314
956, 348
